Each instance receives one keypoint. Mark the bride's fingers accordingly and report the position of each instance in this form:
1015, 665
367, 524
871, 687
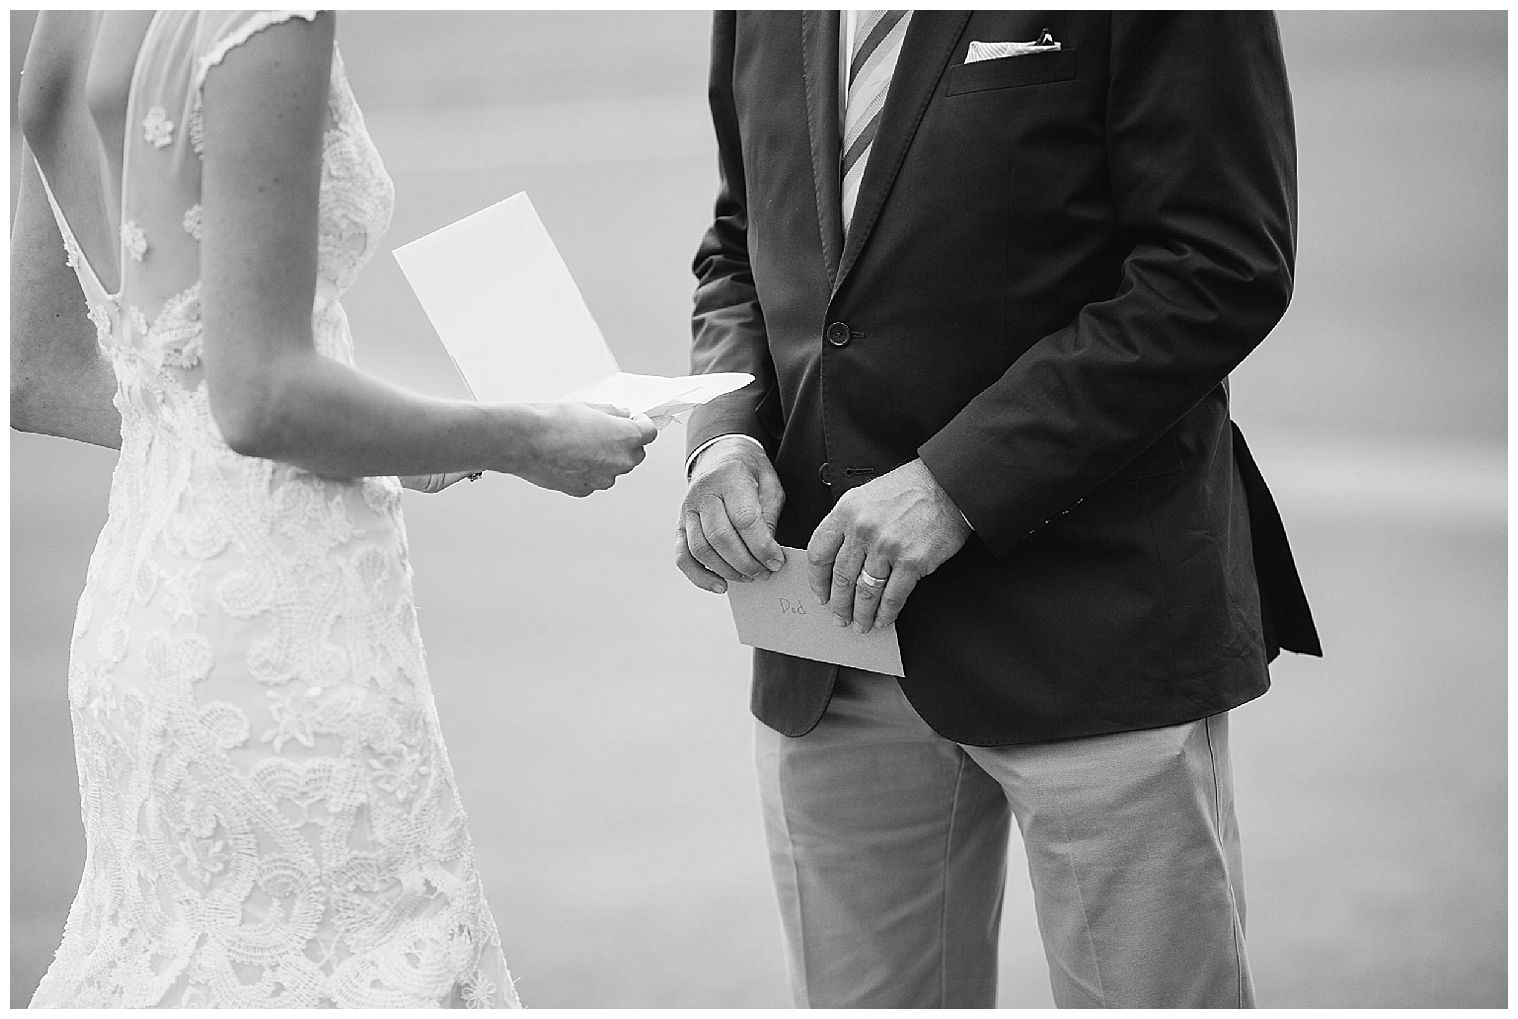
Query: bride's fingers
647, 430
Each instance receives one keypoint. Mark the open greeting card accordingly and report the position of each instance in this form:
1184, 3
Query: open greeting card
506, 308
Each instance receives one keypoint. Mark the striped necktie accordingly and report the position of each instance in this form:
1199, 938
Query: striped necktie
877, 44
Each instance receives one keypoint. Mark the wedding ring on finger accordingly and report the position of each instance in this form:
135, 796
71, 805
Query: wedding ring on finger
870, 580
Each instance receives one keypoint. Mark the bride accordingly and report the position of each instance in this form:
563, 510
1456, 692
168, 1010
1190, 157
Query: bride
270, 815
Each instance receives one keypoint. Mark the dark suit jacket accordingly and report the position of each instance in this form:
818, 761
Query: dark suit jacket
1054, 263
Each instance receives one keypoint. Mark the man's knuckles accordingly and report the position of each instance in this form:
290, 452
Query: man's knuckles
697, 543
744, 515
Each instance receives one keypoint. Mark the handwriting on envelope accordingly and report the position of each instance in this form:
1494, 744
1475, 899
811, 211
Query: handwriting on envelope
781, 614
516, 326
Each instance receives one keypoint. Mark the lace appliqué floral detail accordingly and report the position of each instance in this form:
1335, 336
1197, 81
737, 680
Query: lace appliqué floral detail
197, 128
479, 991
157, 128
138, 322
176, 338
100, 316
401, 772
296, 715
179, 594
192, 221
135, 240
353, 182
204, 857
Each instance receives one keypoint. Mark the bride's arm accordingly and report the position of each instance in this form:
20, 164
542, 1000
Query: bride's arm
271, 393
61, 383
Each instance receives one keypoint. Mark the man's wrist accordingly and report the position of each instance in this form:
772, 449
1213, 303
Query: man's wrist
690, 461
948, 499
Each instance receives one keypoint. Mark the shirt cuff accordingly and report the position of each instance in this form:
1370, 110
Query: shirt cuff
690, 461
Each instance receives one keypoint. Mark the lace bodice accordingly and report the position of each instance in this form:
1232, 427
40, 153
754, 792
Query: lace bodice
270, 814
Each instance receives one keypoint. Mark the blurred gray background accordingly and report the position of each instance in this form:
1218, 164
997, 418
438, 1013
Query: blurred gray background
596, 705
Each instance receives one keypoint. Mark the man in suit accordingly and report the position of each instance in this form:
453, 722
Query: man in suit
991, 270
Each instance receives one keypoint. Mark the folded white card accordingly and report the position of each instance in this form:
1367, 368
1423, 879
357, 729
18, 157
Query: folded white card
780, 613
505, 306
661, 398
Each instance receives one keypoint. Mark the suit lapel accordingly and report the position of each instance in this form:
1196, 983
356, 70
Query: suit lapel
925, 51
819, 67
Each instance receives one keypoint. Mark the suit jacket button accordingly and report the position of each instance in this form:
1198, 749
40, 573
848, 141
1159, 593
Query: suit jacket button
825, 472
838, 334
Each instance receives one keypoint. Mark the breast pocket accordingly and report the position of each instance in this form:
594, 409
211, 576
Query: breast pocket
1012, 72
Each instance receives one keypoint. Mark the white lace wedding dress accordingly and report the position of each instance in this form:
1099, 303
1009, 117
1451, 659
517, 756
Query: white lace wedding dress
270, 814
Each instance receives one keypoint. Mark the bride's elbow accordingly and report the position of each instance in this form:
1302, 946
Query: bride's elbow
251, 415
37, 399
23, 401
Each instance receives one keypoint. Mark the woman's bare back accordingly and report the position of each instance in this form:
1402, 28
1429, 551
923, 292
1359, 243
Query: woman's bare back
72, 104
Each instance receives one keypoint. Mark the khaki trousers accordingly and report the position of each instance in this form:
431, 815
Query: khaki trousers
888, 846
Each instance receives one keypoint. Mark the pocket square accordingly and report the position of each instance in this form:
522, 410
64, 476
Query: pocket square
979, 51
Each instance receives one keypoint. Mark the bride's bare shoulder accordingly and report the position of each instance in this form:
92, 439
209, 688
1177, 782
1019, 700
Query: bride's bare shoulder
296, 36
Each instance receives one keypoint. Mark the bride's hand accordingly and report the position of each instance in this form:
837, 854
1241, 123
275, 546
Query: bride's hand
431, 483
580, 448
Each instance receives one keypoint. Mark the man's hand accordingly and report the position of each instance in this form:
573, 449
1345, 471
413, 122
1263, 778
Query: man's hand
881, 539
727, 522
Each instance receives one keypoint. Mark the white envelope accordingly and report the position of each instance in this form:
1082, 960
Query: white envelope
780, 613
506, 308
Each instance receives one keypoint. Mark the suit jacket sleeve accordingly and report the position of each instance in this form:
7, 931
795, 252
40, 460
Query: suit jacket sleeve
727, 322
1203, 169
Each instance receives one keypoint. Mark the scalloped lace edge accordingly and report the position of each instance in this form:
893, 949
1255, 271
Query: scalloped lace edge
244, 32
